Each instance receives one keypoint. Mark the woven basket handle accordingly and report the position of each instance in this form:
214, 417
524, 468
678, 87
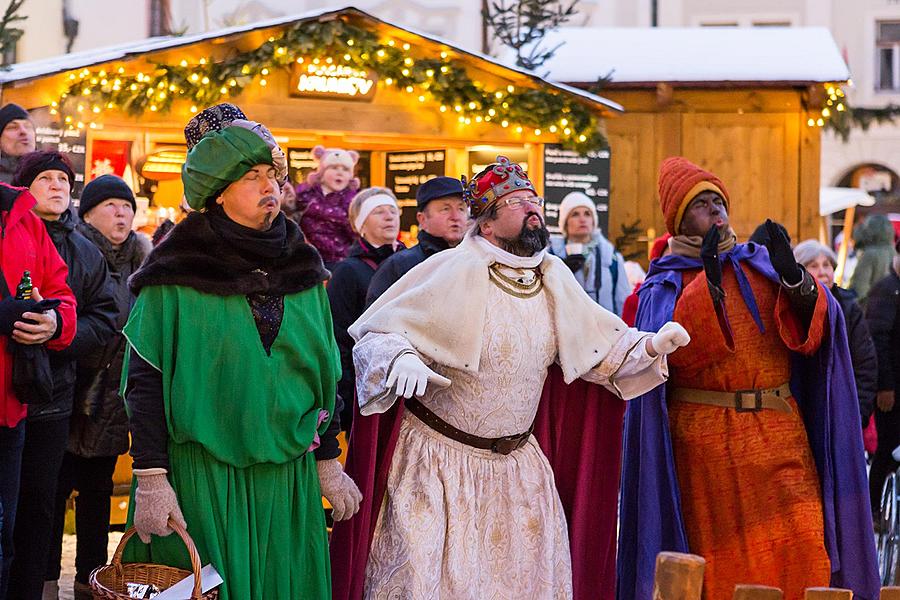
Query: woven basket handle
188, 542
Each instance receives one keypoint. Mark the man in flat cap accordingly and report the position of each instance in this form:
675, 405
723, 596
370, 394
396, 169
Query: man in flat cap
232, 375
16, 139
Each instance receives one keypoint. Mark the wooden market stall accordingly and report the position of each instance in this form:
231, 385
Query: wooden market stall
412, 105
748, 104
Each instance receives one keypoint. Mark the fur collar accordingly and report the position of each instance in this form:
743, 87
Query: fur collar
193, 255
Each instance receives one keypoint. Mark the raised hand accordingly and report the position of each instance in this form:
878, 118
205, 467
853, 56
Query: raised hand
781, 256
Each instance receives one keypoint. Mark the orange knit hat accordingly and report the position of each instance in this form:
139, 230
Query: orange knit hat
680, 181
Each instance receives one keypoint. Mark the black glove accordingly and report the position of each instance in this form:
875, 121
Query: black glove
781, 256
709, 254
575, 262
11, 310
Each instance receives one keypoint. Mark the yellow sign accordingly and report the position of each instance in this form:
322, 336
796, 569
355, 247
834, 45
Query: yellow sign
324, 80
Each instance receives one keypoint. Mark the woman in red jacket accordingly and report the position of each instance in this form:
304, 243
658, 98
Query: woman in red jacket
24, 246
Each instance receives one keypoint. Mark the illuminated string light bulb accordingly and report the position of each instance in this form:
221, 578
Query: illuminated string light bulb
120, 70
347, 57
380, 53
264, 72
194, 77
492, 112
172, 88
263, 82
409, 89
567, 131
444, 55
811, 122
153, 107
504, 123
840, 107
537, 132
281, 51
445, 69
328, 60
519, 129
93, 125
429, 72
457, 108
80, 125
246, 69
299, 62
389, 81
95, 109
472, 105
183, 63
193, 108
68, 119
461, 119
408, 61
563, 122
350, 42
820, 121
223, 90
478, 119
202, 61
232, 82
510, 89
391, 43
443, 108
826, 112
421, 98
468, 121
582, 138
405, 72
406, 46
552, 128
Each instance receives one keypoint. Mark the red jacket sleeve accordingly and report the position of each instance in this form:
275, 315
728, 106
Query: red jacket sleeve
52, 284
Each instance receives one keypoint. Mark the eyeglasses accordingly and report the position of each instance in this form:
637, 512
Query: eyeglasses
517, 202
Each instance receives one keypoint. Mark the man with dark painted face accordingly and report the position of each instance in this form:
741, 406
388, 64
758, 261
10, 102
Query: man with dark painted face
751, 456
458, 499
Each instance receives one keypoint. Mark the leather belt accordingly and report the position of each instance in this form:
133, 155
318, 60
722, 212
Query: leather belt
740, 400
502, 445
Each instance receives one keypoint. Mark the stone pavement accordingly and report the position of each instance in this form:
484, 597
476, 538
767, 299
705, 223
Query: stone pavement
68, 562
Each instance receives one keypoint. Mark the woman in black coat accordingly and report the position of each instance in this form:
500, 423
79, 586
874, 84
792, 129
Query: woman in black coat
98, 433
820, 261
49, 175
883, 315
374, 215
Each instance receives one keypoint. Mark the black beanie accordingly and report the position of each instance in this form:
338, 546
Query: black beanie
103, 188
34, 163
11, 112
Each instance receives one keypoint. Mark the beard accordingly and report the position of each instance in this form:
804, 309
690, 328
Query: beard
529, 241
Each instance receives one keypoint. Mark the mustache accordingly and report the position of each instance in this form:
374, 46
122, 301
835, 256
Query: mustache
268, 199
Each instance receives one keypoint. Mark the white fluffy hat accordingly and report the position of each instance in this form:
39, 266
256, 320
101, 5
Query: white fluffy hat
572, 201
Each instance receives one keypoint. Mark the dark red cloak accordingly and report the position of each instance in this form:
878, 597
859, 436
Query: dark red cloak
579, 427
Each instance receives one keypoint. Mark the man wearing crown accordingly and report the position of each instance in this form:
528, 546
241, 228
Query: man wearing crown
459, 501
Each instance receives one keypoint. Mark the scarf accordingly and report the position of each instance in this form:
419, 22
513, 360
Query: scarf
689, 245
127, 257
268, 244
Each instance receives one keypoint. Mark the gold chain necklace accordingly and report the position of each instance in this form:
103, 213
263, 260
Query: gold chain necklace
513, 286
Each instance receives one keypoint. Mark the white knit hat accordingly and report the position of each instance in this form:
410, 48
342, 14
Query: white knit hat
572, 201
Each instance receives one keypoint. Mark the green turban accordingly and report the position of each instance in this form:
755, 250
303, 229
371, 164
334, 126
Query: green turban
219, 159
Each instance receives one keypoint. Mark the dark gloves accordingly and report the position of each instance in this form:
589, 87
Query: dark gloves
781, 256
575, 262
709, 254
11, 310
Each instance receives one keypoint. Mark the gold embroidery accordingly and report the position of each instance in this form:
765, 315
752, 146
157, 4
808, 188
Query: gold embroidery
516, 287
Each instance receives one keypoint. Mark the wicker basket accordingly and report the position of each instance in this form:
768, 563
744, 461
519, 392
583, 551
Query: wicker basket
108, 582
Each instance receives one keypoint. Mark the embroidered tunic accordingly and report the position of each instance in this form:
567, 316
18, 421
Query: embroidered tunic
465, 523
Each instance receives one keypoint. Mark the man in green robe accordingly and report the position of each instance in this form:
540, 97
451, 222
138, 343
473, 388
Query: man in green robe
231, 378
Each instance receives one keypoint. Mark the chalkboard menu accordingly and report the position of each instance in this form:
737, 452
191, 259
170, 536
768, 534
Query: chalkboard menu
50, 134
405, 172
568, 171
301, 162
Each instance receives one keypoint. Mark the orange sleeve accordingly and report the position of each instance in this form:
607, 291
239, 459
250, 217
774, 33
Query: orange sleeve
795, 335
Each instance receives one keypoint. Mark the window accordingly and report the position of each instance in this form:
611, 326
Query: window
887, 55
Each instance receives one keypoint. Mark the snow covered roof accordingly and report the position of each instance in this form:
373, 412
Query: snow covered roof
834, 199
88, 58
795, 55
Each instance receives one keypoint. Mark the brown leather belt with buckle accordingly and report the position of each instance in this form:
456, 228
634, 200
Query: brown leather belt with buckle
503, 445
740, 400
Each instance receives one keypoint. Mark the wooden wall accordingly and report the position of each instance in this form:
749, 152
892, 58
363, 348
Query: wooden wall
756, 141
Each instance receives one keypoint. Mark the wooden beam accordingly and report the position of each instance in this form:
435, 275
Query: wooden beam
845, 240
890, 593
757, 592
678, 576
828, 594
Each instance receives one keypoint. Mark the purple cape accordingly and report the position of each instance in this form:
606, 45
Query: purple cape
650, 513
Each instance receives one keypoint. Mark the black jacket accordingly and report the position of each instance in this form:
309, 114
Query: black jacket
400, 263
347, 295
99, 425
96, 309
883, 316
862, 351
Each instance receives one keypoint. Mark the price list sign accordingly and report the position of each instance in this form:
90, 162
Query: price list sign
567, 171
405, 172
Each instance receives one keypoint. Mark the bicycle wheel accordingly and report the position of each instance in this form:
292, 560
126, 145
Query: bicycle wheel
888, 535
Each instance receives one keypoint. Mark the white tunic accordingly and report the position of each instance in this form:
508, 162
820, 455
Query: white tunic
463, 523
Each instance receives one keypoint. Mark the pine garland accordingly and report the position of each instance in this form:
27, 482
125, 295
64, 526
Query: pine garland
443, 80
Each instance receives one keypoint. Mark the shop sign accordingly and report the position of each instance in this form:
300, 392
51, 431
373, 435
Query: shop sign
50, 134
567, 171
332, 81
405, 172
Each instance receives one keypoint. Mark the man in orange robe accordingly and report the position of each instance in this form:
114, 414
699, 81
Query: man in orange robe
731, 460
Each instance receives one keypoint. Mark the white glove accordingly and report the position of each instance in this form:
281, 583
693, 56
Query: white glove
411, 376
154, 504
338, 489
670, 338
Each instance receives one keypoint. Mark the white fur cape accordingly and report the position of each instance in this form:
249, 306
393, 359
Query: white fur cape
439, 306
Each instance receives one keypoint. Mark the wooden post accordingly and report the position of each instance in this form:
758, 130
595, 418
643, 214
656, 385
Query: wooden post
756, 592
890, 593
827, 594
678, 576
845, 240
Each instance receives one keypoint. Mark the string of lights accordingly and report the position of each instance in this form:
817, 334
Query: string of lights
442, 80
